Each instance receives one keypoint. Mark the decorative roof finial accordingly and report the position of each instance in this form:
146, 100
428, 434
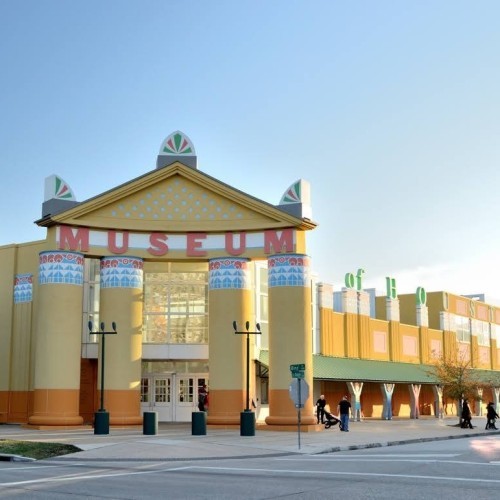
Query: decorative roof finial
176, 147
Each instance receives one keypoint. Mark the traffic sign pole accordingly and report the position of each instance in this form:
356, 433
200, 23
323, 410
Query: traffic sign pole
299, 392
298, 416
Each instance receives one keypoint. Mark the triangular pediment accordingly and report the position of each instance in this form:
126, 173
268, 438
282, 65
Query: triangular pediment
176, 198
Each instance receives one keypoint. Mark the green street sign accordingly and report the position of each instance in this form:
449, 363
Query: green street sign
301, 366
298, 373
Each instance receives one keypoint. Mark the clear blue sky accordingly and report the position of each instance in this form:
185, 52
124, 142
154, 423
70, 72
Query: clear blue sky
390, 109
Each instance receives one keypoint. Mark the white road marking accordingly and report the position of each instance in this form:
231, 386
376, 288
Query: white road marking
375, 460
358, 474
378, 460
88, 476
35, 467
402, 455
79, 477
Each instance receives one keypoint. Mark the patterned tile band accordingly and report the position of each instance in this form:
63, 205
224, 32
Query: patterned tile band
65, 268
23, 288
288, 270
228, 273
121, 272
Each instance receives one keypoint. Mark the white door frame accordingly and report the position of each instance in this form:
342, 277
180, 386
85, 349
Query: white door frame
173, 395
157, 395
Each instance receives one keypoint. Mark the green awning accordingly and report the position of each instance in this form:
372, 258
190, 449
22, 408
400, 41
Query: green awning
364, 370
367, 370
487, 377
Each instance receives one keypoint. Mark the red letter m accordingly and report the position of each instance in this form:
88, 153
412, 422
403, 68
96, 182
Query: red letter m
277, 244
68, 240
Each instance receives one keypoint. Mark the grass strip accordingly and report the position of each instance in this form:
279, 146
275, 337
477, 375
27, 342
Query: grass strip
35, 449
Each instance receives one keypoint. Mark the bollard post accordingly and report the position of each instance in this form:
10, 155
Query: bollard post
101, 422
247, 423
150, 423
198, 423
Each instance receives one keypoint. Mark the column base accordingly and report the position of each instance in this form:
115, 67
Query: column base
228, 420
52, 421
125, 421
56, 407
282, 410
290, 428
124, 407
290, 420
225, 407
56, 427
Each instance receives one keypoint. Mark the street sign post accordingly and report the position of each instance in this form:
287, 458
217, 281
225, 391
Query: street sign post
299, 392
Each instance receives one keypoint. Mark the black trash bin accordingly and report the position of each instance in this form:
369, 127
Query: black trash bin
101, 422
198, 423
150, 423
247, 423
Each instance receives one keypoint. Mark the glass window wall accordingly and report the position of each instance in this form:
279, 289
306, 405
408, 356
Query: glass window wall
175, 308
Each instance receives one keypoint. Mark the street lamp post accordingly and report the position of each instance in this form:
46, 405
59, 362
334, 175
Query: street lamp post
101, 417
247, 417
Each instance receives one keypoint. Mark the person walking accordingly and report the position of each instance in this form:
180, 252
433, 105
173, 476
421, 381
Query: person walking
320, 409
466, 416
203, 398
491, 416
344, 408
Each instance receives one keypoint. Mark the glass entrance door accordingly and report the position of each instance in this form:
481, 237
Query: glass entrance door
187, 395
156, 395
173, 396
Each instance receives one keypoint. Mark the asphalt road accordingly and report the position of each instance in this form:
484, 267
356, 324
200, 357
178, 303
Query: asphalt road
457, 469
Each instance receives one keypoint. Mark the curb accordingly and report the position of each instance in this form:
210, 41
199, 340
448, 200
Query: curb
336, 449
15, 458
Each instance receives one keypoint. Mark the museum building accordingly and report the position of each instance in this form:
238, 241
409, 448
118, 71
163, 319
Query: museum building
163, 266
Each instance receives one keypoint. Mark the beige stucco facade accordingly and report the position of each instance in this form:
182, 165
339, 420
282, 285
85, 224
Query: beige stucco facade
104, 260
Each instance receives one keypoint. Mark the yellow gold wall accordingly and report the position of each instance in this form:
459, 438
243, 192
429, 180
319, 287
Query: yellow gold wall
407, 309
436, 304
379, 332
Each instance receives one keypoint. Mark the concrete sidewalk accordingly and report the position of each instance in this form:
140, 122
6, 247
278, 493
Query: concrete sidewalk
175, 441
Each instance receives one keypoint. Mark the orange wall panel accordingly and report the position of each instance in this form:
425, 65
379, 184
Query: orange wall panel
4, 406
88, 390
18, 407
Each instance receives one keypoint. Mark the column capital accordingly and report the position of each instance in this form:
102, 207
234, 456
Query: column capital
289, 269
23, 288
60, 267
227, 273
121, 272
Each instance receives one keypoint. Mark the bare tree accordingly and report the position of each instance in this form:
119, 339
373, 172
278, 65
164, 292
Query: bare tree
459, 381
